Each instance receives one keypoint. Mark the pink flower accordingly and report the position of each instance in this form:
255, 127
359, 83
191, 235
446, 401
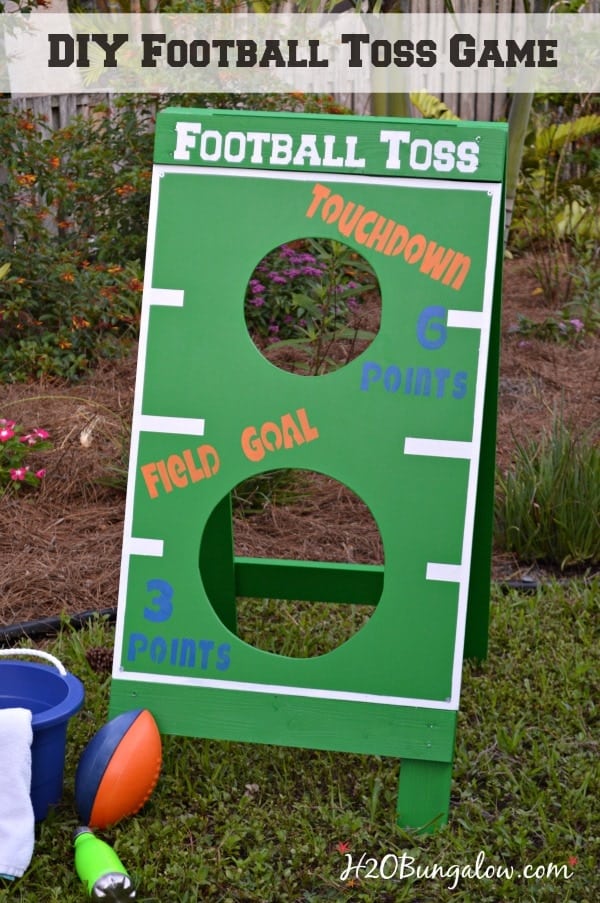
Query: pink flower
34, 436
6, 433
577, 324
9, 423
40, 474
18, 473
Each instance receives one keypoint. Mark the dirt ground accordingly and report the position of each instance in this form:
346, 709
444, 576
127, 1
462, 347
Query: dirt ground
60, 546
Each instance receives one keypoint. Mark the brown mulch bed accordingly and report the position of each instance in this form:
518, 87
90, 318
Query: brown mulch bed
60, 546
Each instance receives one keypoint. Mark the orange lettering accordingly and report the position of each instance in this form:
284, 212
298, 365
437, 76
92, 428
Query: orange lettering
309, 432
460, 262
360, 235
291, 434
176, 470
205, 453
251, 444
150, 478
319, 193
267, 428
164, 476
435, 260
196, 473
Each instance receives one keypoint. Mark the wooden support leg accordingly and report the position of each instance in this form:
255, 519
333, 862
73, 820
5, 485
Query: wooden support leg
424, 795
216, 563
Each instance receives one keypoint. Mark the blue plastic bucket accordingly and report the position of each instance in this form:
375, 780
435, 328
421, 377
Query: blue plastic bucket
53, 696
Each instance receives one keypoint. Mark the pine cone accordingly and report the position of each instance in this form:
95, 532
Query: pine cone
100, 659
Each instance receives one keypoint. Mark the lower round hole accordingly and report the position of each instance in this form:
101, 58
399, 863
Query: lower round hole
301, 517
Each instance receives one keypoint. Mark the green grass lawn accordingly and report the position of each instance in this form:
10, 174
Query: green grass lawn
238, 822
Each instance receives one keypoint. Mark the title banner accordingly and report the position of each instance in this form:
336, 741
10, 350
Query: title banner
45, 53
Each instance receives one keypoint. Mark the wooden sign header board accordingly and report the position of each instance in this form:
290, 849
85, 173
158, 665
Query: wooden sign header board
409, 426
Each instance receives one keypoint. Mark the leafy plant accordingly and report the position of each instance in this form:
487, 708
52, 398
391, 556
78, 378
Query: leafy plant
73, 221
558, 328
585, 276
557, 214
301, 297
548, 504
431, 107
72, 208
16, 445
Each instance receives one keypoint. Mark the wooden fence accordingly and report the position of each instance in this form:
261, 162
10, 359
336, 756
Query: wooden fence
58, 110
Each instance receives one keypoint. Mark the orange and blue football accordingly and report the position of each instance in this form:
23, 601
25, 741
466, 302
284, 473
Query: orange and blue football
118, 769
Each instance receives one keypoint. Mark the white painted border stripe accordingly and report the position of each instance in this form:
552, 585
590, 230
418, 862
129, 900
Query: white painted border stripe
449, 573
495, 194
465, 319
162, 169
181, 426
137, 408
412, 446
165, 297
310, 692
137, 546
437, 448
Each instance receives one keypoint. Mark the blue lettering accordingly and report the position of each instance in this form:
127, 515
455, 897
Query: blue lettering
431, 327
179, 652
423, 382
205, 647
392, 379
187, 659
162, 601
137, 643
460, 384
442, 375
158, 650
371, 373
223, 658
416, 381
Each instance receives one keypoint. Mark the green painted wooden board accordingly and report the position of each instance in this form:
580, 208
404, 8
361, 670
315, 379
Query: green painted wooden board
409, 426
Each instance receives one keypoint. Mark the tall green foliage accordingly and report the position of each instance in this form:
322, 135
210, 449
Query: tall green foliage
548, 505
73, 208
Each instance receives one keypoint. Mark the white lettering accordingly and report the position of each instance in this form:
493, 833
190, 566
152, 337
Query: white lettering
186, 132
393, 139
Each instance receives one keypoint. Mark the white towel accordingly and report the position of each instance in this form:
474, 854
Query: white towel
17, 828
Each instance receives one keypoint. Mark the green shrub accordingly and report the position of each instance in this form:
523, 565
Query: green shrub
73, 211
548, 504
73, 223
302, 295
556, 216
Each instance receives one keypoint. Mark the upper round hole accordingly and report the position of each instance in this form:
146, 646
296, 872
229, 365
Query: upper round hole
312, 305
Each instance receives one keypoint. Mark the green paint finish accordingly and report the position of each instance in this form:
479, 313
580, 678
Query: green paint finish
340, 725
423, 794
408, 426
314, 582
347, 144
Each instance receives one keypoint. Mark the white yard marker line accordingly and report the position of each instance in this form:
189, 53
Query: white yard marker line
466, 319
449, 573
181, 426
438, 448
138, 546
165, 297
